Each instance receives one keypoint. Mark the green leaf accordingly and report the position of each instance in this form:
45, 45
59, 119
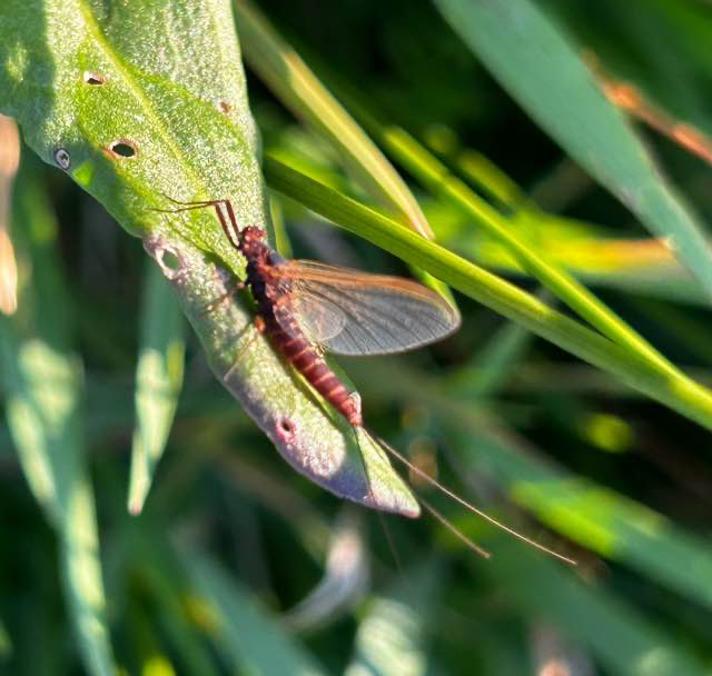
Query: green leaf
528, 54
80, 81
249, 638
673, 389
43, 382
159, 377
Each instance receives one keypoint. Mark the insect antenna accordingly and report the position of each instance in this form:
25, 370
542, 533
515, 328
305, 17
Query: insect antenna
428, 507
455, 530
483, 515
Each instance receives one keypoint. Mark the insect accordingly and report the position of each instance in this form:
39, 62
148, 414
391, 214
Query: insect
307, 308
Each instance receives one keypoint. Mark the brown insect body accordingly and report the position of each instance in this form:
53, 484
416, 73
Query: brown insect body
268, 289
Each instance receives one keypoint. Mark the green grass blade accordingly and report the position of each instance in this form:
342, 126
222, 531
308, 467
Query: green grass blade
159, 377
530, 57
43, 382
300, 90
676, 391
248, 637
557, 280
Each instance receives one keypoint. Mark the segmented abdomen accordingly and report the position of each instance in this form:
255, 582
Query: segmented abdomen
300, 353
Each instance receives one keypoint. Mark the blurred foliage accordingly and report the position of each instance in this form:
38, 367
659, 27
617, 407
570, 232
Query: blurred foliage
236, 563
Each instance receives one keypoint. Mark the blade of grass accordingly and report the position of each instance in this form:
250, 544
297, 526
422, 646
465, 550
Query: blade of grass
43, 381
299, 89
436, 175
159, 377
249, 639
672, 388
528, 54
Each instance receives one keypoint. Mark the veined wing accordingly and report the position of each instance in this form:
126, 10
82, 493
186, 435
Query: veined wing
355, 313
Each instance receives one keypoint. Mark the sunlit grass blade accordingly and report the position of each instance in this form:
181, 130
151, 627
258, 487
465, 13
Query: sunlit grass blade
672, 388
43, 382
301, 91
436, 175
248, 638
159, 377
623, 639
640, 266
528, 54
393, 632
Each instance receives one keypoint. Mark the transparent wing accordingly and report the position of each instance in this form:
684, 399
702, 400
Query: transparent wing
354, 313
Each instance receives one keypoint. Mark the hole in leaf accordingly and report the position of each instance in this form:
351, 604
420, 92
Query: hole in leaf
94, 78
169, 262
62, 158
286, 428
123, 149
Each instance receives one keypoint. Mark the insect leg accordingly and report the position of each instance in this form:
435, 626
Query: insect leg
258, 326
217, 302
228, 224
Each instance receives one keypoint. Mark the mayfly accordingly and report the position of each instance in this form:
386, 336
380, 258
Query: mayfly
307, 308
